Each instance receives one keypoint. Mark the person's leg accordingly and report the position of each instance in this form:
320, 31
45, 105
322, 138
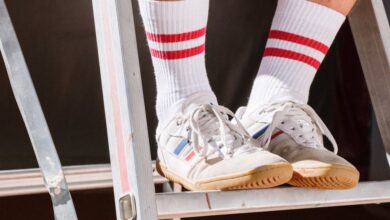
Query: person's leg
300, 37
277, 113
176, 33
198, 146
344, 6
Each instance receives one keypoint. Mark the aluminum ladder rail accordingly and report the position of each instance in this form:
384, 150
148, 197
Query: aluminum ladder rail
31, 111
125, 110
118, 59
371, 32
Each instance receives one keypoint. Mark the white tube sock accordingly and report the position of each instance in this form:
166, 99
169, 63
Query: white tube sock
300, 36
176, 36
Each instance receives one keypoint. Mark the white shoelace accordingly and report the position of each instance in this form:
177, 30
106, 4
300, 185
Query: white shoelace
211, 125
302, 121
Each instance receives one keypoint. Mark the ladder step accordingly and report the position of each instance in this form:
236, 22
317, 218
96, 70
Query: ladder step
195, 204
84, 177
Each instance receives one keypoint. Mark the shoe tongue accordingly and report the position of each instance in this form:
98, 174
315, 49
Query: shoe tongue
186, 105
285, 138
209, 121
212, 125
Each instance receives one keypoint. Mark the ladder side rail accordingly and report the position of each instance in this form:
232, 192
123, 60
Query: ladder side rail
124, 107
371, 32
140, 157
107, 104
34, 119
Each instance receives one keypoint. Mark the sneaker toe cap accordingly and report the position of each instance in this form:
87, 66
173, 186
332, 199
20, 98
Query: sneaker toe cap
305, 155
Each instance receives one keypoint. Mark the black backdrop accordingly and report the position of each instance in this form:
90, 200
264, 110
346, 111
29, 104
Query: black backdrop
58, 40
59, 44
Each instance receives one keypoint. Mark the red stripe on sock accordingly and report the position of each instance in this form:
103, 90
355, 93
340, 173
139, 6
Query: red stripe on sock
177, 54
276, 52
171, 38
282, 35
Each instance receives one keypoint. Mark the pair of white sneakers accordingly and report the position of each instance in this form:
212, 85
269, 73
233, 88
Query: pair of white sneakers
204, 146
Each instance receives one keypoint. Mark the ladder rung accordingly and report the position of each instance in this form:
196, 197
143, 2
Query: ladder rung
84, 177
194, 204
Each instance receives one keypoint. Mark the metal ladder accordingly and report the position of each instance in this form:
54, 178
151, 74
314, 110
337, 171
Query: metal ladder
131, 166
31, 111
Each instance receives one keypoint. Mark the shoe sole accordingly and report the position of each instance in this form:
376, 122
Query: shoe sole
263, 177
328, 177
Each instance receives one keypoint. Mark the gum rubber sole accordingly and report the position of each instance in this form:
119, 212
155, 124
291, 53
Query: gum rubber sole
331, 177
263, 177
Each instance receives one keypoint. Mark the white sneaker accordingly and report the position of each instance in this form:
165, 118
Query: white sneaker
202, 150
294, 131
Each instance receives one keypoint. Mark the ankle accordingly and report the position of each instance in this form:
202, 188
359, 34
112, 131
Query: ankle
167, 108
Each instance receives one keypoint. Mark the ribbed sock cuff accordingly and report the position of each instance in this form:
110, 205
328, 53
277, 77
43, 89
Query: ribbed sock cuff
174, 16
308, 19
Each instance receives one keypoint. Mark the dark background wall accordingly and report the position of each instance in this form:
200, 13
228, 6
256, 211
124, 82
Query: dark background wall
58, 41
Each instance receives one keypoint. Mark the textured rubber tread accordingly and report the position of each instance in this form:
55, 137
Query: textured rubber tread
332, 177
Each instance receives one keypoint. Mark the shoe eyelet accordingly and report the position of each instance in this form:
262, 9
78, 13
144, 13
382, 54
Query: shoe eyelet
282, 122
